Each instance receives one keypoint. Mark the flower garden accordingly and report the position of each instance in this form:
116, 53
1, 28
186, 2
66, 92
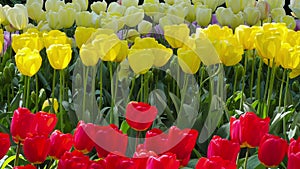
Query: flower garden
155, 85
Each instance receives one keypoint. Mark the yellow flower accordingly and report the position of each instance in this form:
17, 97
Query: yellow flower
188, 60
251, 15
82, 3
176, 35
275, 3
212, 4
129, 3
293, 37
84, 19
133, 16
116, 9
35, 11
18, 16
246, 35
268, 44
28, 61
55, 37
66, 17
236, 5
53, 5
82, 34
215, 32
144, 27
146, 53
59, 55
123, 51
30, 39
203, 16
151, 7
2, 15
88, 54
1, 40
99, 7
289, 56
226, 17
48, 103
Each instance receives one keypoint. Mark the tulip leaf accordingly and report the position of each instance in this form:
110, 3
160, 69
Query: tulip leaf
175, 101
254, 163
10, 159
124, 127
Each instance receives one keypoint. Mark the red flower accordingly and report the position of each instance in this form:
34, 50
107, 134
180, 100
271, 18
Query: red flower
107, 140
294, 154
140, 157
23, 124
215, 162
60, 143
82, 137
249, 129
100, 164
29, 166
4, 144
165, 161
272, 150
74, 160
140, 115
116, 161
36, 148
156, 140
46, 122
227, 149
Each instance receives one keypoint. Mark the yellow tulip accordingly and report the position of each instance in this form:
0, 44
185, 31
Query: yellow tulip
176, 35
144, 27
251, 15
212, 4
18, 16
151, 7
52, 20
203, 16
129, 3
176, 14
190, 12
123, 51
113, 22
264, 9
35, 11
236, 5
28, 39
84, 19
1, 40
48, 103
66, 17
246, 35
88, 54
215, 32
293, 37
54, 5
140, 61
268, 44
59, 55
116, 9
82, 34
99, 7
2, 15
226, 17
82, 3
133, 16
275, 3
188, 60
55, 37
28, 61
289, 21
289, 56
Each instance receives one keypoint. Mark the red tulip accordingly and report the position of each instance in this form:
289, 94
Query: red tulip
156, 140
83, 137
272, 150
4, 144
140, 115
249, 129
74, 160
116, 161
215, 162
23, 124
165, 161
36, 148
110, 139
100, 164
227, 149
294, 154
46, 122
59, 144
141, 156
29, 166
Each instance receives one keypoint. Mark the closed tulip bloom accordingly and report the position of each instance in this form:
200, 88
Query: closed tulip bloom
215, 32
272, 150
36, 12
156, 141
264, 8
289, 56
55, 37
4, 144
83, 137
165, 161
2, 15
188, 60
294, 154
88, 55
36, 149
46, 122
82, 35
251, 15
133, 16
140, 115
48, 103
226, 17
28, 61
276, 3
59, 144
212, 4
18, 16
117, 161
31, 40
54, 5
203, 16
249, 129
28, 166
246, 35
116, 9
176, 35
268, 44
99, 7
82, 3
226, 149
123, 53
215, 163
144, 27
66, 17
74, 160
59, 55
236, 5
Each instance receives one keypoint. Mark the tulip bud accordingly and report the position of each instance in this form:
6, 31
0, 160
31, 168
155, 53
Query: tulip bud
52, 19
236, 5
82, 3
54, 5
289, 21
277, 13
35, 12
2, 15
133, 16
190, 13
226, 17
151, 8
264, 9
144, 27
84, 19
203, 16
115, 8
129, 3
251, 15
99, 7
66, 17
18, 16
212, 4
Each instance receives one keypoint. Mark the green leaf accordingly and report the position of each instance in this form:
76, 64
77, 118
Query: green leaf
10, 159
124, 127
175, 101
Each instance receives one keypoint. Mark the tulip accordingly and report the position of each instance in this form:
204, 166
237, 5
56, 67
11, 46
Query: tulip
226, 149
2, 15
216, 33
52, 18
82, 35
107, 139
276, 3
188, 60
4, 144
116, 9
99, 7
59, 55
175, 14
141, 156
28, 166
156, 141
53, 5
272, 149
277, 13
203, 16
74, 160
66, 17
46, 122
35, 11
165, 161
144, 27
129, 3
289, 21
264, 8
140, 115
83, 137
18, 16
30, 40
82, 3
28, 61
246, 35
48, 102
212, 4
151, 8
55, 37
59, 144
226, 17
249, 129
100, 164
116, 161
176, 35
215, 163
84, 19
251, 15
88, 55
133, 16
289, 56
36, 149
295, 7
236, 5
294, 154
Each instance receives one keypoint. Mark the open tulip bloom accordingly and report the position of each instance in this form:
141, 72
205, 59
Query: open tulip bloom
205, 84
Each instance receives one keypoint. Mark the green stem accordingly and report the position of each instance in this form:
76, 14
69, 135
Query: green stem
16, 163
50, 163
267, 82
286, 91
200, 82
28, 91
36, 93
252, 75
101, 86
142, 88
53, 89
271, 88
185, 86
244, 79
258, 97
61, 89
235, 81
246, 158
111, 119
197, 153
131, 89
281, 89
85, 78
